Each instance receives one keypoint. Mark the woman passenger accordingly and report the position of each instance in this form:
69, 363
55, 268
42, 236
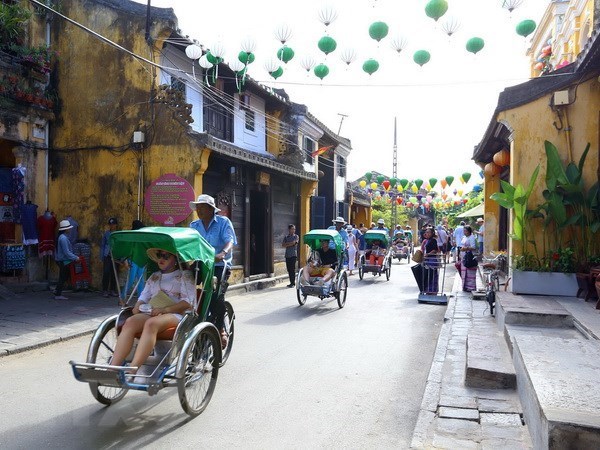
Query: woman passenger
180, 288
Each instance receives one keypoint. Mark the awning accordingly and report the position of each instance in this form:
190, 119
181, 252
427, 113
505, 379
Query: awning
477, 211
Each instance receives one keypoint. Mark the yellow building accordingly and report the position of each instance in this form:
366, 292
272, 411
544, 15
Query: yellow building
563, 108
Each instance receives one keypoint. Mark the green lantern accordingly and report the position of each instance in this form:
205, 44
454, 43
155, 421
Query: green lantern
421, 57
246, 57
370, 66
449, 180
403, 183
380, 179
378, 30
418, 183
525, 27
277, 73
321, 71
213, 59
466, 177
368, 176
432, 182
285, 54
436, 9
475, 45
327, 44
393, 182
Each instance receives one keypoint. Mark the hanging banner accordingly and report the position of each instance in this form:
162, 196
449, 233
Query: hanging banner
167, 199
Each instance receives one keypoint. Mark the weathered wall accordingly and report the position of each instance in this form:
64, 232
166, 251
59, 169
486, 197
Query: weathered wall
533, 124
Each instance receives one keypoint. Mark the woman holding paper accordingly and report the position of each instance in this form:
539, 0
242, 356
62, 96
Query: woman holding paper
168, 294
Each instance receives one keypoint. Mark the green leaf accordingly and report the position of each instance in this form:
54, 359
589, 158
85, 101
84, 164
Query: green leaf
574, 219
557, 209
573, 174
502, 199
595, 226
555, 173
583, 156
533, 179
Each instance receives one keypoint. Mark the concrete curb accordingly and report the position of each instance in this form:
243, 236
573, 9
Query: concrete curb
25, 348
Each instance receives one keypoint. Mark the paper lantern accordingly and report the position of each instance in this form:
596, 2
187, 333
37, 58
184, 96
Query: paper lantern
502, 158
321, 71
525, 27
327, 44
373, 185
246, 57
378, 30
539, 66
386, 185
492, 169
193, 51
475, 45
285, 54
466, 176
418, 183
432, 182
403, 183
399, 200
370, 66
400, 189
444, 183
436, 9
368, 176
460, 192
380, 179
449, 180
277, 73
362, 183
421, 57
393, 182
414, 188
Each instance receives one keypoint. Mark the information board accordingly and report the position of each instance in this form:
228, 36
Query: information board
167, 199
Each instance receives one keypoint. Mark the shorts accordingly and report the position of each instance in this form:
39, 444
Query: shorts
318, 271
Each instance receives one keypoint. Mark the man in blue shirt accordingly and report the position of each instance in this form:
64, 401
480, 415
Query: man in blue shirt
338, 225
218, 232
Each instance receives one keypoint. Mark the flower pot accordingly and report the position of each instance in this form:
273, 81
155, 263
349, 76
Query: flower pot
544, 283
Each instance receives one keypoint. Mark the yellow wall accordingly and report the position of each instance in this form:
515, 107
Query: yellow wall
306, 190
533, 124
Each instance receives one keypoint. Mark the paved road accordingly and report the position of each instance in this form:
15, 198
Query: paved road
299, 377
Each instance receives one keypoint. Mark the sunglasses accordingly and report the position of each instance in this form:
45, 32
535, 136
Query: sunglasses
163, 255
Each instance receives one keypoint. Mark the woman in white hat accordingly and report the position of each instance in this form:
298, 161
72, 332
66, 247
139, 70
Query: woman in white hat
64, 256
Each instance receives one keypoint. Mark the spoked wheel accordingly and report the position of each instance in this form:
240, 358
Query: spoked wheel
197, 370
388, 271
229, 326
343, 291
101, 351
301, 297
361, 271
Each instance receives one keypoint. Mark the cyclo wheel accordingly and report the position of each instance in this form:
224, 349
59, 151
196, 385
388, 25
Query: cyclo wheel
198, 369
388, 271
299, 295
343, 291
361, 271
100, 352
229, 325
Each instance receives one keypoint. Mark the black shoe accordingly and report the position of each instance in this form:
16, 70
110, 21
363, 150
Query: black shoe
291, 285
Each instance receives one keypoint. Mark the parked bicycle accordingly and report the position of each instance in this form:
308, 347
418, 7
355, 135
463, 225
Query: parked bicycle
494, 269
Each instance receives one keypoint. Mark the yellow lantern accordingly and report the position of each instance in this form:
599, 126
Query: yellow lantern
373, 185
460, 192
400, 189
362, 183
414, 188
502, 158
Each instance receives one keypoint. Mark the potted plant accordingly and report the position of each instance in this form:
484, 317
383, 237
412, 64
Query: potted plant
13, 18
569, 219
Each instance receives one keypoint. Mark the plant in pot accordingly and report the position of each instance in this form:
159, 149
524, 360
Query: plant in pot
13, 18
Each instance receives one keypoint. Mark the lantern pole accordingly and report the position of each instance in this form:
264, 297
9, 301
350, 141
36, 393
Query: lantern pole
394, 174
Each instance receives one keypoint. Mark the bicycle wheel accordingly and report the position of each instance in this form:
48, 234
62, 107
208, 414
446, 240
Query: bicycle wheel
229, 326
100, 352
198, 369
300, 296
343, 291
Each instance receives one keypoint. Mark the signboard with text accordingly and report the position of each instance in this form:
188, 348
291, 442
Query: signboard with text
167, 199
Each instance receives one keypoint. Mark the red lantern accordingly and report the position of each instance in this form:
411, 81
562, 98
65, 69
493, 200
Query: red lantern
492, 169
502, 158
386, 185
465, 201
399, 200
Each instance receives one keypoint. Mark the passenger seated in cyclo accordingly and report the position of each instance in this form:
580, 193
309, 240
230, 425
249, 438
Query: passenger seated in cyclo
168, 294
321, 264
376, 253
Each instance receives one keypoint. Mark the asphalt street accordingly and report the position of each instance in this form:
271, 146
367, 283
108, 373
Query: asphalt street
312, 376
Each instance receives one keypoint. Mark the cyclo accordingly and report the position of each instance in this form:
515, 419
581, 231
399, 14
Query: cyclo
338, 285
187, 357
400, 246
386, 266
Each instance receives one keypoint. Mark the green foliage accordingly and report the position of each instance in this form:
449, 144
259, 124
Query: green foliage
13, 18
383, 210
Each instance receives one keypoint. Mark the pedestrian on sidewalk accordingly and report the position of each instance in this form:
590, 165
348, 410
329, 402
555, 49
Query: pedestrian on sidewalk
352, 249
290, 243
135, 272
468, 264
480, 234
109, 281
64, 257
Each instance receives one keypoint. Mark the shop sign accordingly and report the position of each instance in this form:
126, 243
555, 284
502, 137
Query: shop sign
263, 178
167, 199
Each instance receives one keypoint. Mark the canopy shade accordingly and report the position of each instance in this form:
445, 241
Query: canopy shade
473, 212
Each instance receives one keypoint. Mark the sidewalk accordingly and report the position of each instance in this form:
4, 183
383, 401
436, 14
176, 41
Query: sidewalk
31, 318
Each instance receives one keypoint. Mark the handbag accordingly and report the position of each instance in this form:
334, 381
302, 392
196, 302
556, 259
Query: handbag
469, 260
418, 256
161, 300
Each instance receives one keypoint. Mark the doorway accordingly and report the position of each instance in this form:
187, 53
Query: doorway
259, 230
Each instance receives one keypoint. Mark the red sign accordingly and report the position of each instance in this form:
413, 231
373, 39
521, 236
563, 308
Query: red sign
168, 199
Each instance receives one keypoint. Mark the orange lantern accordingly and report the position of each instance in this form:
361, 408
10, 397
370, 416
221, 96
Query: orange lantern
502, 158
492, 169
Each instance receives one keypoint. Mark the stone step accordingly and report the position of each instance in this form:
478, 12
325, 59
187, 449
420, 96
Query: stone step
489, 363
532, 310
558, 385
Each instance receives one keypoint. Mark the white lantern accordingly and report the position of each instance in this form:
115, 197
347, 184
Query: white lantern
204, 62
236, 65
347, 55
248, 45
307, 63
283, 33
271, 65
218, 50
399, 43
193, 51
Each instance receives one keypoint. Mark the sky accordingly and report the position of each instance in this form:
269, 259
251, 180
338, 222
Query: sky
442, 108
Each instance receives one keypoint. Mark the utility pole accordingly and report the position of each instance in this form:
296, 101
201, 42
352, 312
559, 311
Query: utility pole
395, 175
341, 122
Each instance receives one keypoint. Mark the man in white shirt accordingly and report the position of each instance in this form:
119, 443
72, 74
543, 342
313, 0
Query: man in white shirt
480, 233
459, 233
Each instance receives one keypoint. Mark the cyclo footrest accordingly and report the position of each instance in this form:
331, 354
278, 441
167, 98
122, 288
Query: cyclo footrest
103, 374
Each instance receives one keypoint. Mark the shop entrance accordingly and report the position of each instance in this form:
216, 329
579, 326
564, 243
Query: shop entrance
259, 229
